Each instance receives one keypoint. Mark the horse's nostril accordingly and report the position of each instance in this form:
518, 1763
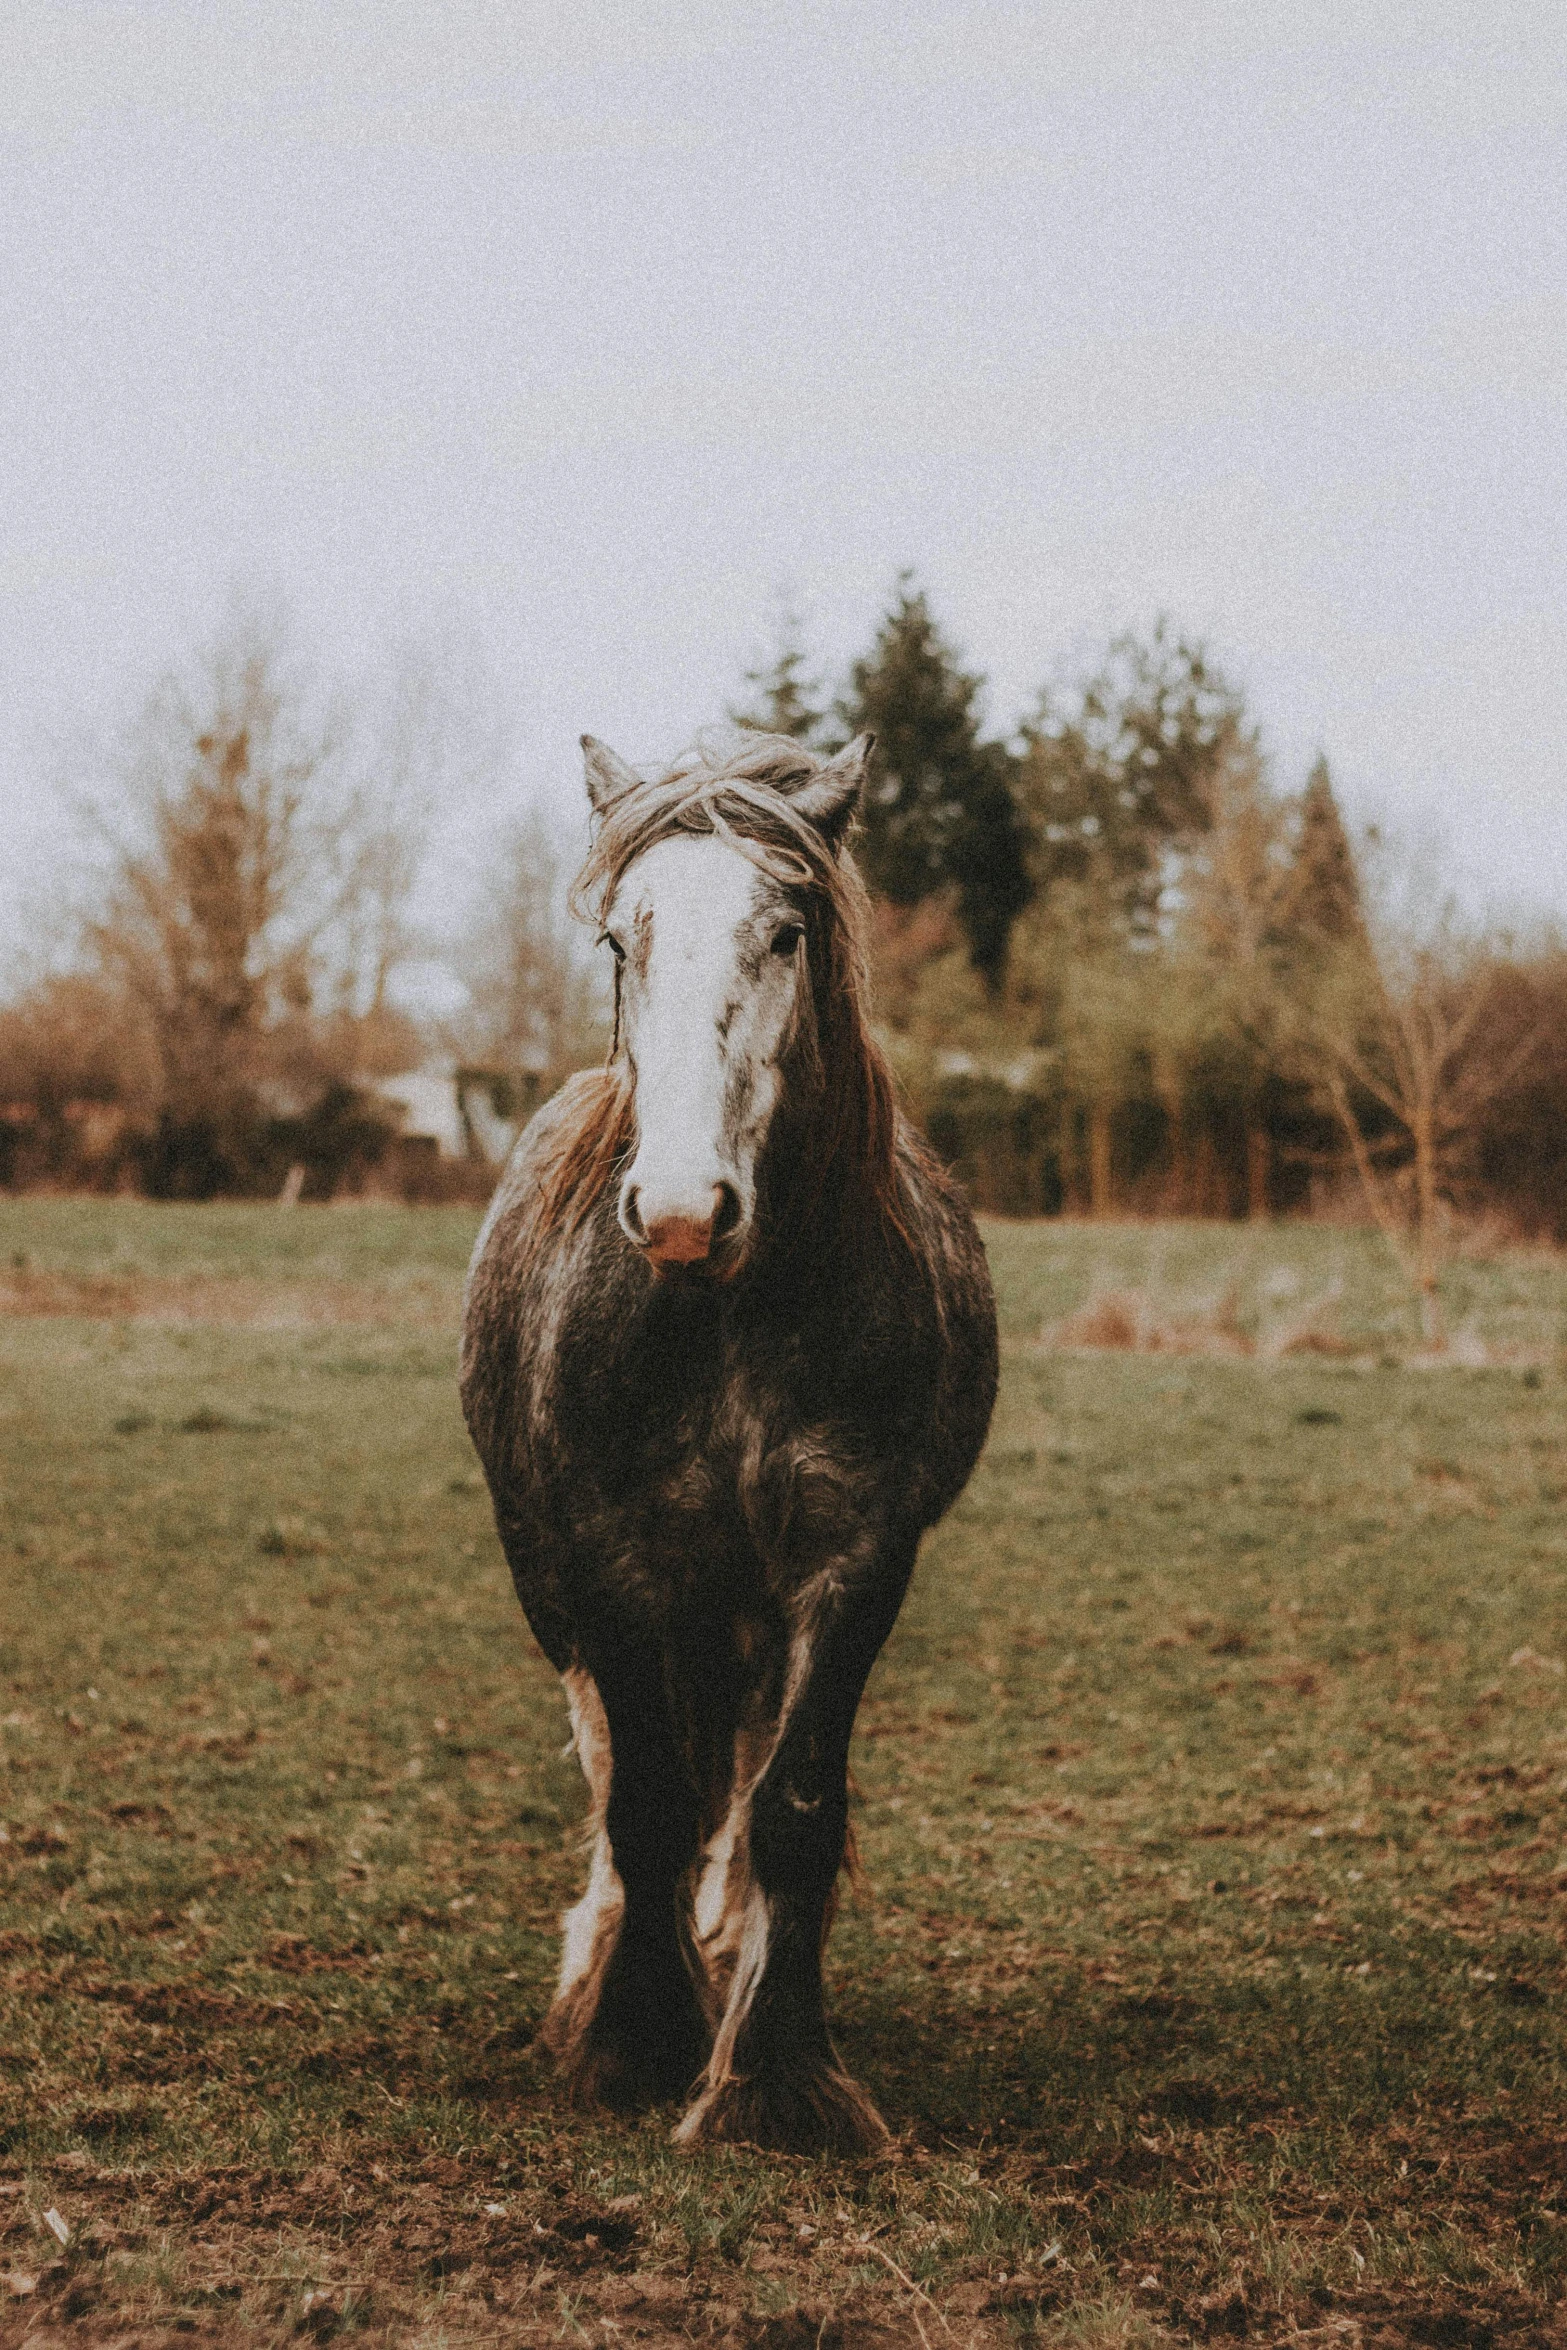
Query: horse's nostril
631, 1220
726, 1210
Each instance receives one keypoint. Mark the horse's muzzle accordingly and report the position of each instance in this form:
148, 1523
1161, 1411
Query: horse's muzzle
673, 1233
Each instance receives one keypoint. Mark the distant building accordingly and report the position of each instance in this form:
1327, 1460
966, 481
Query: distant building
428, 1106
461, 1113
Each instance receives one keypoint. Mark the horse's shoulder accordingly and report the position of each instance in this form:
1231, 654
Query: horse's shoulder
579, 1103
518, 1197
940, 1221
516, 1260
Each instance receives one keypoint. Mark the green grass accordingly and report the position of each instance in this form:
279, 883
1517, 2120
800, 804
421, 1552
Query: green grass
1210, 1801
355, 1242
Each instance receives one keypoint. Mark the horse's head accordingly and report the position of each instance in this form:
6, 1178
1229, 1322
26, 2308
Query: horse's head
714, 889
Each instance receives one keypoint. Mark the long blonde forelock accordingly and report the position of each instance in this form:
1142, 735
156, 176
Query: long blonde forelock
743, 797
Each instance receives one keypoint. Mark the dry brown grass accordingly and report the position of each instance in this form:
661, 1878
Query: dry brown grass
1136, 1321
1140, 1321
236, 1299
1131, 1319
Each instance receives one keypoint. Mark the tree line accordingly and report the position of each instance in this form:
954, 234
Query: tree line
1123, 969
1120, 967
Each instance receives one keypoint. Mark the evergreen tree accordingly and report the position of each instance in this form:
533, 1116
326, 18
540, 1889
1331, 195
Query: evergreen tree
1322, 903
784, 697
1154, 871
1120, 781
940, 812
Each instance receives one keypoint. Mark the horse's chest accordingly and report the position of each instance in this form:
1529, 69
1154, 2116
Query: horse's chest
696, 1461
698, 1450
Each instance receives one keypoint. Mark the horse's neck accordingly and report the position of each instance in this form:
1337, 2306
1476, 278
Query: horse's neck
822, 1202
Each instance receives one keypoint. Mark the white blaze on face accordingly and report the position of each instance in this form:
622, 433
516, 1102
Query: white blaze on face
705, 1006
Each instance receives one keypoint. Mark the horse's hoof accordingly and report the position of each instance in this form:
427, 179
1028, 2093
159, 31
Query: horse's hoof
605, 2075
817, 2112
633, 2037
604, 2063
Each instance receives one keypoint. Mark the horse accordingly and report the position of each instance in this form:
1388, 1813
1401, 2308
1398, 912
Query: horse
729, 1350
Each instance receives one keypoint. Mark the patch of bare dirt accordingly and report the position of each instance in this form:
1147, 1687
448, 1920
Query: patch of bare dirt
365, 2251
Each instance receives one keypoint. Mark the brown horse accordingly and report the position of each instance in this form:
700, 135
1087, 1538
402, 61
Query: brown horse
729, 1349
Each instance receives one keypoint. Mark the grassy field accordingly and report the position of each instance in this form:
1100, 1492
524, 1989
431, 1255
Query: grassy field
1210, 1799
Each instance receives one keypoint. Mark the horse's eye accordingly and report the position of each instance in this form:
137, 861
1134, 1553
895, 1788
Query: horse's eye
608, 939
788, 939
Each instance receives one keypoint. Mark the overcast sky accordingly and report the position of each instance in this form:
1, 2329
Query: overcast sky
581, 332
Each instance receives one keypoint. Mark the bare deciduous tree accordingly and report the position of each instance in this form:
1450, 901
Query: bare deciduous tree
1400, 1030
260, 844
223, 874
536, 1005
424, 740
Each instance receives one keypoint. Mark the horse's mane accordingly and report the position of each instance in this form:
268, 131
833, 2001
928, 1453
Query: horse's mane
743, 794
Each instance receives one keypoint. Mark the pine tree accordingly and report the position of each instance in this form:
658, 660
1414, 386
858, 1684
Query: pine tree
1120, 781
784, 698
1322, 904
1153, 868
940, 811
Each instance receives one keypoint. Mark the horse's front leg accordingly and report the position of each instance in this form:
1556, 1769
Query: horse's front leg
627, 2025
774, 2077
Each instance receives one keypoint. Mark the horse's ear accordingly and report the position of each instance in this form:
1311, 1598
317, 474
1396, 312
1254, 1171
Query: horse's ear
606, 773
832, 795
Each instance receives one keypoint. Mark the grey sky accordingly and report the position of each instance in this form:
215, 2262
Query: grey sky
585, 330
